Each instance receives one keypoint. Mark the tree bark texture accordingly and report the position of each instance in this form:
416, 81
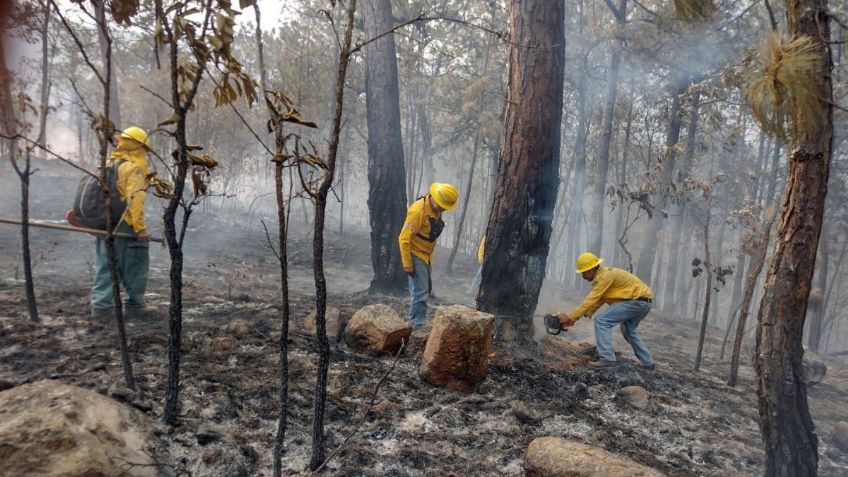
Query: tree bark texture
386, 176
788, 432
519, 230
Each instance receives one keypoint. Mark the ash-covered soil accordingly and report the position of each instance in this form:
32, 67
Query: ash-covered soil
696, 424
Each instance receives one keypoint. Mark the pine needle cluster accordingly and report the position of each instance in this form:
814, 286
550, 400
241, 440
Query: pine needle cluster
780, 88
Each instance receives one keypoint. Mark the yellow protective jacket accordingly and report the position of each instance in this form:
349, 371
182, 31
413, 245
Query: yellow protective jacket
611, 285
132, 181
419, 233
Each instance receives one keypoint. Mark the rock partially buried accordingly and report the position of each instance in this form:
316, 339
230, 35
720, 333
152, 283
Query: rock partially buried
840, 435
558, 457
457, 351
636, 397
334, 322
376, 329
222, 344
49, 428
238, 328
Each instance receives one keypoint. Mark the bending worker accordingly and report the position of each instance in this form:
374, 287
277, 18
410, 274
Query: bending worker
629, 301
417, 241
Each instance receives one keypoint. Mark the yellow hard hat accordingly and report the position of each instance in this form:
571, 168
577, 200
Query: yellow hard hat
587, 261
137, 134
444, 194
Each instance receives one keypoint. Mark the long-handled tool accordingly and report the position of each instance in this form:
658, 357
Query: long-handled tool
69, 228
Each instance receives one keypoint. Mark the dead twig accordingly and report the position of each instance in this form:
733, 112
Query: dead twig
367, 410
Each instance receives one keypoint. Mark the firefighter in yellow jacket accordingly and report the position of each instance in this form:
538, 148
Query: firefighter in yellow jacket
628, 299
417, 240
132, 254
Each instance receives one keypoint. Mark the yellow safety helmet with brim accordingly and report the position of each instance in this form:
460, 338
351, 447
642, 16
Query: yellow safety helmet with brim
587, 261
444, 194
137, 134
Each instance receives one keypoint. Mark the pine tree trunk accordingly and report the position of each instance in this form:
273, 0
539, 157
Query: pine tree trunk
788, 432
386, 176
678, 211
596, 234
649, 250
708, 267
104, 40
519, 230
578, 192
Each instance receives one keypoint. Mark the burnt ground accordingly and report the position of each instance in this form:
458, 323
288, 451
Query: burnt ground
697, 425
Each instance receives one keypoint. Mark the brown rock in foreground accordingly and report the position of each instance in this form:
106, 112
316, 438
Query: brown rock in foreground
558, 457
334, 322
376, 329
636, 397
457, 351
49, 428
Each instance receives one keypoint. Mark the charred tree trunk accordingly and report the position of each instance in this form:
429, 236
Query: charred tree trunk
788, 432
648, 254
386, 176
680, 210
320, 197
622, 174
519, 230
708, 268
105, 41
10, 126
596, 235
45, 81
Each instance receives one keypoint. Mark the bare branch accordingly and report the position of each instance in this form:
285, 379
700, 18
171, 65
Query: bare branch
157, 95
270, 243
47, 150
78, 42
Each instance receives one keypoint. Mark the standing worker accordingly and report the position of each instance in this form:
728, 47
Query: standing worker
417, 240
131, 254
629, 300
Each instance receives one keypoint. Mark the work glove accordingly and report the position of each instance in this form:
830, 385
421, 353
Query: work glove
143, 236
409, 272
565, 320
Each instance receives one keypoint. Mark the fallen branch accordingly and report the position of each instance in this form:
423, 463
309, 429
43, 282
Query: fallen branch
367, 410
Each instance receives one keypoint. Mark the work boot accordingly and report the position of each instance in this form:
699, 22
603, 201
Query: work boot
602, 363
102, 313
144, 313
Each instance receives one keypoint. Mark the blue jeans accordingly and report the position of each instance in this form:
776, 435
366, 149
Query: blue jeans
628, 314
133, 263
419, 288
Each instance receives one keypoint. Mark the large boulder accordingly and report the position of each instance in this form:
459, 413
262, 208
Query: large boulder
558, 457
457, 351
49, 428
334, 322
376, 329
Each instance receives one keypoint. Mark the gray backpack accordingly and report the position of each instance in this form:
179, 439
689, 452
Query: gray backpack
89, 204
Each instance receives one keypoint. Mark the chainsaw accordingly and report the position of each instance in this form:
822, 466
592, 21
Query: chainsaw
552, 325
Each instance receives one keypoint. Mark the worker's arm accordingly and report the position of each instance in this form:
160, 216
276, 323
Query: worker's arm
136, 187
593, 300
411, 226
